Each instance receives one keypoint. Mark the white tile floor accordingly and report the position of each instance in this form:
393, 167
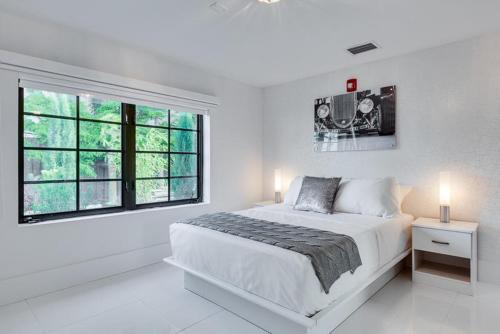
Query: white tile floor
152, 300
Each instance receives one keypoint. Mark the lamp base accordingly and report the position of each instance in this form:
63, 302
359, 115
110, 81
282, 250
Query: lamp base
277, 197
444, 214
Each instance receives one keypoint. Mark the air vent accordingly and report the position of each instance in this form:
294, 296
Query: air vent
362, 48
218, 7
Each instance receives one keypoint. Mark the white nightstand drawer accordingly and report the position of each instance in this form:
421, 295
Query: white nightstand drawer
442, 242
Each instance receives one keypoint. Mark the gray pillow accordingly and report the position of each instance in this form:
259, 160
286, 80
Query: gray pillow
317, 194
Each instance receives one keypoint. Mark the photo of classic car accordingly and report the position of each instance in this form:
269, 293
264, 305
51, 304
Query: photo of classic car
353, 116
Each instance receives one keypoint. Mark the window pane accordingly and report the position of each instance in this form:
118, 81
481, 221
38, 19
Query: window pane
97, 109
96, 195
100, 165
49, 198
183, 141
49, 165
151, 116
149, 191
100, 135
183, 165
151, 165
184, 120
151, 139
48, 103
49, 132
185, 188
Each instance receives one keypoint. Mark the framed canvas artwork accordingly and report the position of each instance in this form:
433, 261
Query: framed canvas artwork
364, 120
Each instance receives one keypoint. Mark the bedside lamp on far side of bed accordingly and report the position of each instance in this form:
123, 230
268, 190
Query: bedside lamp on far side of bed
444, 197
277, 185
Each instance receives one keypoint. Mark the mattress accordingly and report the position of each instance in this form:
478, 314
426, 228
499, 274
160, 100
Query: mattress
285, 277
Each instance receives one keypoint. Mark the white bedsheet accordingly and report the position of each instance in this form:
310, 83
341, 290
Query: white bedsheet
282, 276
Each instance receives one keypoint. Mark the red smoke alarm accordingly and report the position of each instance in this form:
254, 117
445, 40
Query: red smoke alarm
352, 85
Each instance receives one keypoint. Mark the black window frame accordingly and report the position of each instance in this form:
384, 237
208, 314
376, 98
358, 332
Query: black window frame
128, 161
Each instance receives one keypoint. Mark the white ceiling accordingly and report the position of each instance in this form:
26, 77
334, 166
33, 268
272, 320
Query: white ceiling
264, 44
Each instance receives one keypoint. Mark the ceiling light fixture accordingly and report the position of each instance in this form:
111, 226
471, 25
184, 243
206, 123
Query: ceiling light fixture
269, 1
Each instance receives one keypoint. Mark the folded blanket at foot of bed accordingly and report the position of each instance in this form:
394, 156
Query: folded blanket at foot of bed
331, 254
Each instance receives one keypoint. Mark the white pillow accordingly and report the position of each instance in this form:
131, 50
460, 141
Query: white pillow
373, 197
293, 191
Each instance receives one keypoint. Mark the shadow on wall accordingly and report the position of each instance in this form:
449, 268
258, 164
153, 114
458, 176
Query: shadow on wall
465, 203
419, 204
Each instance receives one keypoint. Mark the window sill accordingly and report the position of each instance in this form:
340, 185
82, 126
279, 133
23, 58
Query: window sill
116, 214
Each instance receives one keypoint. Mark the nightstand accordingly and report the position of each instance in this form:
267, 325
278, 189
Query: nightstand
264, 203
445, 255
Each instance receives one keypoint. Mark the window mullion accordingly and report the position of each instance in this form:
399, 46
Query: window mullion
21, 155
199, 154
128, 165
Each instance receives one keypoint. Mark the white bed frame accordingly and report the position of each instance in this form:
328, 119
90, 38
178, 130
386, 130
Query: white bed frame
277, 319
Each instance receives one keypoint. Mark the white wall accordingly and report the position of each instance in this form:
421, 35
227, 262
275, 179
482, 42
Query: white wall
448, 118
37, 259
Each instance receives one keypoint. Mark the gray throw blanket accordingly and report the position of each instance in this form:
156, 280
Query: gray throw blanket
331, 254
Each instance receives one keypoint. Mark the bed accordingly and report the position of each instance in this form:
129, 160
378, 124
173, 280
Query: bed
277, 289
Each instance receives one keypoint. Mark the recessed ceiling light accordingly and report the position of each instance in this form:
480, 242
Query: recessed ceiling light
269, 1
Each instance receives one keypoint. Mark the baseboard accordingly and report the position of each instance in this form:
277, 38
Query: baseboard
39, 283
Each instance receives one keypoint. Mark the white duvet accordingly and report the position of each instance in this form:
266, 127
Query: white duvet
282, 276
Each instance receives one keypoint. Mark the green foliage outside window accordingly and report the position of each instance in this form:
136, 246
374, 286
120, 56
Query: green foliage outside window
40, 131
157, 165
57, 133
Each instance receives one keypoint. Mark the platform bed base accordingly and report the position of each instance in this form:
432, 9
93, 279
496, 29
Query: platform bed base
277, 319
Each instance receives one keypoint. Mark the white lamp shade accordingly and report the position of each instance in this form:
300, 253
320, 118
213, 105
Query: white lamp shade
277, 180
444, 188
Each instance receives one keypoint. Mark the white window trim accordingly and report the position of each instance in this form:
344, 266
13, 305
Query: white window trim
32, 69
42, 71
78, 219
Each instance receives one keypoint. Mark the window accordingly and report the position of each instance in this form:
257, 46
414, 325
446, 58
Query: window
166, 146
80, 155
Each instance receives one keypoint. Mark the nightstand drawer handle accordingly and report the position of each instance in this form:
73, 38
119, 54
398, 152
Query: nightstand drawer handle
441, 242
